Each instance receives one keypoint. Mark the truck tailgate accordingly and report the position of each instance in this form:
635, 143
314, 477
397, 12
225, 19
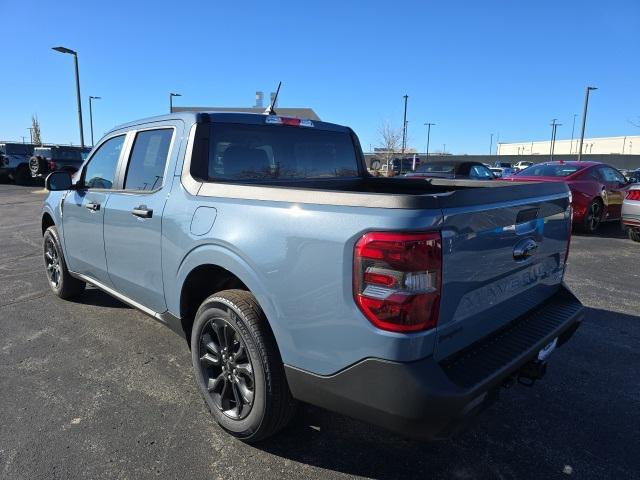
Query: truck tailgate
500, 258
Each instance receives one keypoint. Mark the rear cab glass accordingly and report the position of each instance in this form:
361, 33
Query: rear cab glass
550, 170
255, 153
436, 168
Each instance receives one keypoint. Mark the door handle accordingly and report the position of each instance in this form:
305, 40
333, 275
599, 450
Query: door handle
142, 211
94, 207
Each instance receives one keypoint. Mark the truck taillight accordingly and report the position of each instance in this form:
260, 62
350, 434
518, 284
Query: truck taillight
633, 195
397, 279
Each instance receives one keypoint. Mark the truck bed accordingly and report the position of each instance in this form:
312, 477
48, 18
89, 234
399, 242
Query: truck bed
380, 192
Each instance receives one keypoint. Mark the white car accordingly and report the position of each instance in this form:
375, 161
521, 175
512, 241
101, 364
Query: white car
522, 165
631, 212
500, 172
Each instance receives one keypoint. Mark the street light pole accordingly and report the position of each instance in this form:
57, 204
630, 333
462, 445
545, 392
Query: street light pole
171, 95
491, 145
428, 125
404, 125
584, 119
554, 128
91, 98
75, 62
572, 131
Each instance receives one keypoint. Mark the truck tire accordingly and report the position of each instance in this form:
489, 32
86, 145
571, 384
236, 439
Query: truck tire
37, 165
60, 280
22, 176
238, 367
634, 234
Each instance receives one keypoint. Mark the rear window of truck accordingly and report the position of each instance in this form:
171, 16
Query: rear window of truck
251, 153
550, 170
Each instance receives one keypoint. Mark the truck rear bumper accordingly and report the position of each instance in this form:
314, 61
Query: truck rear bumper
429, 399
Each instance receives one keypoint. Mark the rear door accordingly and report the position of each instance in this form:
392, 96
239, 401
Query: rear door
133, 217
503, 253
83, 212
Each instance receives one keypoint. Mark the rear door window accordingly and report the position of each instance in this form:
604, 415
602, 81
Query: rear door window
480, 172
145, 170
611, 176
254, 153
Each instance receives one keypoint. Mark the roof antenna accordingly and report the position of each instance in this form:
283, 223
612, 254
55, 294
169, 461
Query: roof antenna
270, 110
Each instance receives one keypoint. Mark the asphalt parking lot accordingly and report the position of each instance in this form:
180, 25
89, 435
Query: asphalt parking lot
95, 389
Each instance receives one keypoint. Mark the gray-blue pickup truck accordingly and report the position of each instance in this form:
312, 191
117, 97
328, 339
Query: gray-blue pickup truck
294, 275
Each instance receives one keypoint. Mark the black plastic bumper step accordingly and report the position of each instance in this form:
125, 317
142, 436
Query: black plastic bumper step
516, 342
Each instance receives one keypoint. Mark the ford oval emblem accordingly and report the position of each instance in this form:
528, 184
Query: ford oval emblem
524, 249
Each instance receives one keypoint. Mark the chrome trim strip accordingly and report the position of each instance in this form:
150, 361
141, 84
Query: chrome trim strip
116, 294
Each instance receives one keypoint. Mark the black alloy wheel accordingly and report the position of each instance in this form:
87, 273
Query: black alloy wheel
593, 216
52, 263
238, 367
226, 368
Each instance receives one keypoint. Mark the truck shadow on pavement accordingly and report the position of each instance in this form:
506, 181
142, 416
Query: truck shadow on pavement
605, 230
96, 297
575, 419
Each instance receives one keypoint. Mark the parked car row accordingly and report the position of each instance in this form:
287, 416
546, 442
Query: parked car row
21, 162
598, 190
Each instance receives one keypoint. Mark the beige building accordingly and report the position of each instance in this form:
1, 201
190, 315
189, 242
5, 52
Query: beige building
629, 145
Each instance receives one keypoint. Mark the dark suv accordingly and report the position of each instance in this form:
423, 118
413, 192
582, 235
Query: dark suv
57, 157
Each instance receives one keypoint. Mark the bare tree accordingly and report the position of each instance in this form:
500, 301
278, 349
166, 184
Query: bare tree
36, 139
389, 142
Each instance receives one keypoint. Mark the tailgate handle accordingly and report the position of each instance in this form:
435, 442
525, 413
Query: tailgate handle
524, 249
527, 215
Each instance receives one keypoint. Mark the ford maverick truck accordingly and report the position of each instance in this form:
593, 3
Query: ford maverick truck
294, 275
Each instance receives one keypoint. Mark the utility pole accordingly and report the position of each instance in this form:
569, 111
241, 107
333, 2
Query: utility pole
554, 127
404, 125
491, 145
584, 119
573, 127
428, 125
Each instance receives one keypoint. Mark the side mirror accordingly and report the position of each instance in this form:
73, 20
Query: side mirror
57, 181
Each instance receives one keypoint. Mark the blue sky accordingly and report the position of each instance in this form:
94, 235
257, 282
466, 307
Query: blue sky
471, 67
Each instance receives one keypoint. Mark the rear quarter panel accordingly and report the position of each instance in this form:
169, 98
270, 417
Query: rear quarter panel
297, 259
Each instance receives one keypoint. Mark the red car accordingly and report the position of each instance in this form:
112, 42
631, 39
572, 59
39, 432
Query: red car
597, 188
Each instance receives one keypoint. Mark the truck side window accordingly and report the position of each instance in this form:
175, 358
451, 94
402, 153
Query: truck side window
101, 169
148, 157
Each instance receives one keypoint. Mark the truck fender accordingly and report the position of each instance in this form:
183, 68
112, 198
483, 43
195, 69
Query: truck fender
221, 256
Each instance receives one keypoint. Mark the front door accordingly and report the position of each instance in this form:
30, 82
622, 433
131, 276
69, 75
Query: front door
133, 220
83, 212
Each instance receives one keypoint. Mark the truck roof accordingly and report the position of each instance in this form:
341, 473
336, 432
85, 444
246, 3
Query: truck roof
227, 117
